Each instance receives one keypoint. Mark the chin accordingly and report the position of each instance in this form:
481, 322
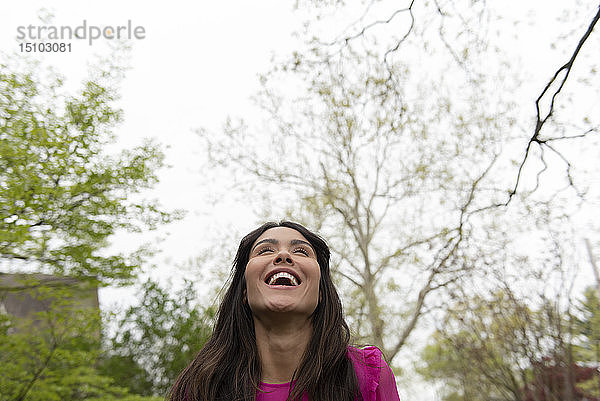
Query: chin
280, 308
289, 307
281, 305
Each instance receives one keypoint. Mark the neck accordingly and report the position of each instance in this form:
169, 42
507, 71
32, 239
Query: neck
281, 345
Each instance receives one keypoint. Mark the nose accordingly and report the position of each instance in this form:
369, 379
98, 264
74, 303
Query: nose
283, 257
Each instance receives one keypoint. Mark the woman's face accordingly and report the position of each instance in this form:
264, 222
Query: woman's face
282, 274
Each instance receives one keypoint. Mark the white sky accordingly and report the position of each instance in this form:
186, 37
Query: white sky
198, 63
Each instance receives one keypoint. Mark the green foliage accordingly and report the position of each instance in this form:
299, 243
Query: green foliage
587, 326
53, 354
157, 339
488, 348
499, 348
61, 195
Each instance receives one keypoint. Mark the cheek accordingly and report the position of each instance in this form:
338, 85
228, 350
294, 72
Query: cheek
316, 278
317, 271
251, 272
250, 275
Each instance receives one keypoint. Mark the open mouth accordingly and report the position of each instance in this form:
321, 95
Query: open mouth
282, 278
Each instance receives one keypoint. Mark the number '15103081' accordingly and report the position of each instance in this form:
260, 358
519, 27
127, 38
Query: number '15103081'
45, 47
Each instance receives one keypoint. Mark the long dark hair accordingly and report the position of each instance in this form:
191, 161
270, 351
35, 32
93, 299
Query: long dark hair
228, 367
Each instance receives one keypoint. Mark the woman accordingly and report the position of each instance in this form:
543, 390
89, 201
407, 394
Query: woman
280, 332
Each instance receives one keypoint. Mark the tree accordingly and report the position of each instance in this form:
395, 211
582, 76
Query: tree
155, 340
501, 349
54, 354
482, 350
373, 167
461, 30
586, 346
588, 327
61, 194
404, 159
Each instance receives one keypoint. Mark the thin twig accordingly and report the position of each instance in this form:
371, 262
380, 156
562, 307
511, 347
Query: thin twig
566, 68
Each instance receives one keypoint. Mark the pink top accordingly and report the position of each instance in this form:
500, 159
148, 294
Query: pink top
375, 379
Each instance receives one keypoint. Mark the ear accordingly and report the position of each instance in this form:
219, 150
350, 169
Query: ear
245, 297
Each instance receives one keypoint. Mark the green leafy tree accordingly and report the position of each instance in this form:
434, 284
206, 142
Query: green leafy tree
61, 194
53, 355
481, 352
155, 340
587, 329
499, 348
587, 325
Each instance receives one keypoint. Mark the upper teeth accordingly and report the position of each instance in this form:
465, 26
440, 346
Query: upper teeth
275, 276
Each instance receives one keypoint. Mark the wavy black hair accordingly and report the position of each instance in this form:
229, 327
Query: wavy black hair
228, 367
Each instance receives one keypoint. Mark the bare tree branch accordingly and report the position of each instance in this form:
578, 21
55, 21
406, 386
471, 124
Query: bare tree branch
540, 121
350, 38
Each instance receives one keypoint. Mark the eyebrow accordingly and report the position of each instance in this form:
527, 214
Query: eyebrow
276, 242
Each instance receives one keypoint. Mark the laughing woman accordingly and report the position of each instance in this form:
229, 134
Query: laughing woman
280, 333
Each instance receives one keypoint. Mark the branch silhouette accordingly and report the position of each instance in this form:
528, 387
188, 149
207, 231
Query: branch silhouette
540, 121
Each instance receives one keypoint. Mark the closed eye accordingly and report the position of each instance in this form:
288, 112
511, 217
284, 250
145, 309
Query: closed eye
264, 250
301, 250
